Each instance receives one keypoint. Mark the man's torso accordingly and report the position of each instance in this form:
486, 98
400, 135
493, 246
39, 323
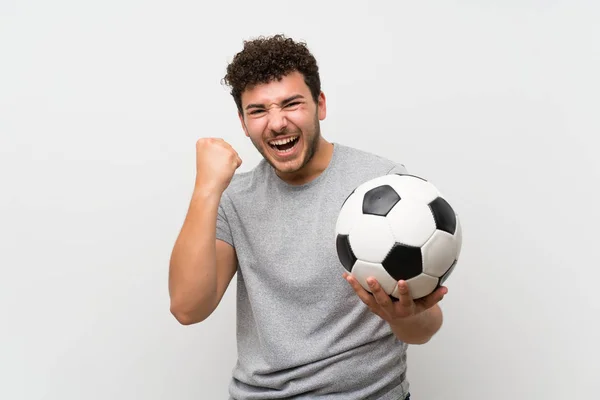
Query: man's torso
302, 331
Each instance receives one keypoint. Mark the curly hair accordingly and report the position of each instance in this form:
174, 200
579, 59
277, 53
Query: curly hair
265, 59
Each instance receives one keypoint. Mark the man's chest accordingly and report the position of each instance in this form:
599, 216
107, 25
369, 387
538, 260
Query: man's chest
292, 238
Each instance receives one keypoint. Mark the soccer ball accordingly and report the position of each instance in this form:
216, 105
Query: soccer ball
398, 227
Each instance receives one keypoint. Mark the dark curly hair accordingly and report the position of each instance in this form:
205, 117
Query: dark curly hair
265, 59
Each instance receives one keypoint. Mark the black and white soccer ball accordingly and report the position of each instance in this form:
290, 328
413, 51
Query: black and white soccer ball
398, 227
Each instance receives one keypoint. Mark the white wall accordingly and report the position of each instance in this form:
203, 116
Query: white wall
101, 104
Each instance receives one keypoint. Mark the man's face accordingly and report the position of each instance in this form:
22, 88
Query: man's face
282, 121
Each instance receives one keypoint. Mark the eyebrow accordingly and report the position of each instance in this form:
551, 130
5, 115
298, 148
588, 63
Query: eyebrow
285, 101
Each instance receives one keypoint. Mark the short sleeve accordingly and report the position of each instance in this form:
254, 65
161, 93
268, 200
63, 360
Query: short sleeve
223, 227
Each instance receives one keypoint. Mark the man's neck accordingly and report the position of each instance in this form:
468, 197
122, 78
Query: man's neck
315, 167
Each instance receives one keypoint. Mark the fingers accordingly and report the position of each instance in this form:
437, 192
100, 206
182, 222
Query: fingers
432, 299
378, 300
365, 296
237, 160
381, 304
404, 297
382, 298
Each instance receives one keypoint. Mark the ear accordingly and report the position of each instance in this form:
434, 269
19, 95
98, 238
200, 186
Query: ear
322, 107
241, 117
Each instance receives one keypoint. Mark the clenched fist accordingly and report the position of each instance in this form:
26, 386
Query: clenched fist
216, 162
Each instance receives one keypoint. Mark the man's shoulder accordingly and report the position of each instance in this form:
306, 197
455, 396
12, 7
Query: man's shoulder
370, 159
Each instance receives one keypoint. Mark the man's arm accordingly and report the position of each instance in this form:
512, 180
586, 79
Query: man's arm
201, 266
420, 328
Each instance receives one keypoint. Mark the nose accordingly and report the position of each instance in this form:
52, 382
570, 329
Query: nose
277, 120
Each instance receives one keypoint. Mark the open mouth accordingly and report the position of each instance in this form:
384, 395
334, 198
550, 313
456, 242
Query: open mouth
284, 145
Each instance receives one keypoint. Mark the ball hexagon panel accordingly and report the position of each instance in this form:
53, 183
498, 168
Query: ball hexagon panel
411, 222
419, 286
370, 238
380, 200
414, 187
403, 262
344, 251
349, 213
439, 253
445, 218
362, 270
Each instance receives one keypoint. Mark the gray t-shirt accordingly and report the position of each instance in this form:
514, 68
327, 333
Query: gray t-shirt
302, 331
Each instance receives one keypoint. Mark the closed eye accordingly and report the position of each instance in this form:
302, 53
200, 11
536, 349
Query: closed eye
289, 105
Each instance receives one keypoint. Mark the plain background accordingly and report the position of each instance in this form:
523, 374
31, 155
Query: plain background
101, 104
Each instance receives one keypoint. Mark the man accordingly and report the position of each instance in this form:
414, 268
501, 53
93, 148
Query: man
306, 329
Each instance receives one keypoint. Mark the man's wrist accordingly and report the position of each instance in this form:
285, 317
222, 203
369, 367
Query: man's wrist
419, 328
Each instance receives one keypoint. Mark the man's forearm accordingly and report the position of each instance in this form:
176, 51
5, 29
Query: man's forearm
193, 264
420, 328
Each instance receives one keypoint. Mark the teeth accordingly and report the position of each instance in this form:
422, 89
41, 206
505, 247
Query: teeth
283, 141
